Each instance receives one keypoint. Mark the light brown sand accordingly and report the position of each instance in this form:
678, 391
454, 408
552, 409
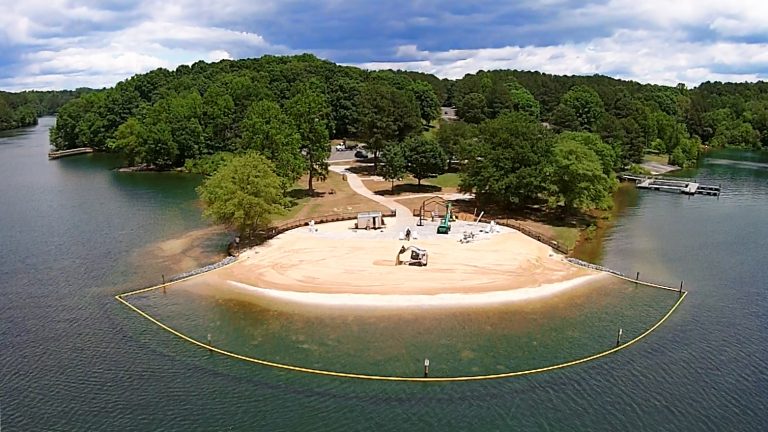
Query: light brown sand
364, 263
183, 253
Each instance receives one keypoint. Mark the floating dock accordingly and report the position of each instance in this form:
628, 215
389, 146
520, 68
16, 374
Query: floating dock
70, 152
667, 184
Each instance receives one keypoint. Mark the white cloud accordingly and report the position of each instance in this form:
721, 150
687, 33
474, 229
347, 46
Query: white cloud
217, 55
102, 58
637, 55
70, 43
728, 18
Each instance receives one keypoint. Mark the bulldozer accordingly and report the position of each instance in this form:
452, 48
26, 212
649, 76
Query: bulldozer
417, 257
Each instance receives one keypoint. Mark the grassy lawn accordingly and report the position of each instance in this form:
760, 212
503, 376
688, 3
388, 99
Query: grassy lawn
333, 196
566, 236
405, 187
431, 130
445, 181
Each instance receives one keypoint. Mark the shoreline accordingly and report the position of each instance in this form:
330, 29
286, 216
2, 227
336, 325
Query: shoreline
340, 266
444, 300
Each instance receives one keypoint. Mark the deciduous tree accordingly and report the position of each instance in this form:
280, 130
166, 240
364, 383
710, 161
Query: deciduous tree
429, 105
394, 162
384, 115
268, 130
471, 108
514, 167
424, 157
244, 193
577, 178
585, 104
310, 112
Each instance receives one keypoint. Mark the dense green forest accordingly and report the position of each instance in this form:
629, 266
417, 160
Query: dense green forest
23, 109
523, 138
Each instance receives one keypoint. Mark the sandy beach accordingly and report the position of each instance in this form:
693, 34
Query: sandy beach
337, 265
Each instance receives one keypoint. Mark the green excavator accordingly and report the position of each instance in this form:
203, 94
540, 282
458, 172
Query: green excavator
445, 224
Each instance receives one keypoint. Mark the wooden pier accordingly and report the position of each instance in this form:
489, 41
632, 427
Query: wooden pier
70, 152
670, 184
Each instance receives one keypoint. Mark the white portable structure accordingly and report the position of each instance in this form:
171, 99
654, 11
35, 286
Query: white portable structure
369, 220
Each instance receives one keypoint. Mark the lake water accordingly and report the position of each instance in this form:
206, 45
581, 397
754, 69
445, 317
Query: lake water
74, 233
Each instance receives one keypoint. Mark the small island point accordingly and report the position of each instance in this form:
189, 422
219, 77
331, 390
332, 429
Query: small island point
336, 264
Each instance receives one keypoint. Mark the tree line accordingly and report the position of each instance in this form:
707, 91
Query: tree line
522, 138
22, 109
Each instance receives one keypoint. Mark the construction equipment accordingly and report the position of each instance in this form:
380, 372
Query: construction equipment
418, 256
433, 203
445, 224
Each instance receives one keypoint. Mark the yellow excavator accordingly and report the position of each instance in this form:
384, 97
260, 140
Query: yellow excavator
418, 256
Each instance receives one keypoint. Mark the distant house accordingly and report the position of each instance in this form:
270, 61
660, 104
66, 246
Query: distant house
448, 113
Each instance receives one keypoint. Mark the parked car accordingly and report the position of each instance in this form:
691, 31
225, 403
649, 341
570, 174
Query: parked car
340, 147
360, 154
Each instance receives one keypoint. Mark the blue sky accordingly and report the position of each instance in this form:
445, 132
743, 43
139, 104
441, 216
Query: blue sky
52, 44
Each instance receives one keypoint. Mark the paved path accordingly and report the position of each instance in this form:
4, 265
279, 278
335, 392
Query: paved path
404, 217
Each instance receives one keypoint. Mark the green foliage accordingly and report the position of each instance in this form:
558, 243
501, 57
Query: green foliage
268, 130
394, 162
457, 140
22, 109
429, 105
523, 101
639, 169
439, 86
514, 160
183, 115
446, 180
586, 106
127, 141
385, 115
208, 165
424, 157
736, 134
310, 113
217, 119
243, 193
158, 145
609, 161
471, 108
286, 108
342, 94
577, 179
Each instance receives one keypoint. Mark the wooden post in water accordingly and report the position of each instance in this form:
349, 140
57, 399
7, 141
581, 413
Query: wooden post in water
637, 277
163, 276
426, 367
680, 293
618, 337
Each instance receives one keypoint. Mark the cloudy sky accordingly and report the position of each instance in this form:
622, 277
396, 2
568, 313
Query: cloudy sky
54, 44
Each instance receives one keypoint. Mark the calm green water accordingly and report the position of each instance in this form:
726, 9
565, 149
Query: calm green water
72, 358
458, 342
